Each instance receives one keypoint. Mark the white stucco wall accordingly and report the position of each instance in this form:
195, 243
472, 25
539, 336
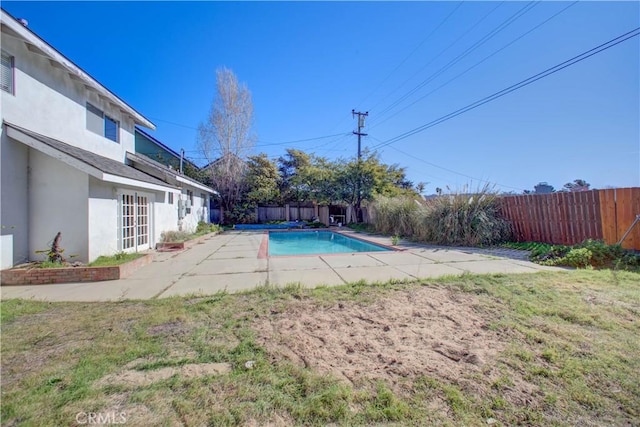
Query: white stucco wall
166, 215
6, 251
49, 95
102, 219
199, 209
13, 203
58, 201
41, 196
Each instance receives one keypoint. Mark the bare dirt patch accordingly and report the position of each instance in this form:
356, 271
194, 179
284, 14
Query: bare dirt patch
133, 378
433, 332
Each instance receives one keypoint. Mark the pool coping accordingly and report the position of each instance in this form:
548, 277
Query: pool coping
263, 251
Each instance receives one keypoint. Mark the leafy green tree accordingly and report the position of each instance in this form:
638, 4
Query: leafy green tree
262, 180
543, 188
304, 177
299, 177
577, 185
358, 181
293, 168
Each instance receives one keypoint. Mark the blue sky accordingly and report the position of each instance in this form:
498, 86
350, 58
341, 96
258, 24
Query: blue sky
308, 64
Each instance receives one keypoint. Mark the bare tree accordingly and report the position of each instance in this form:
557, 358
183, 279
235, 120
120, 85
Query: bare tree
226, 138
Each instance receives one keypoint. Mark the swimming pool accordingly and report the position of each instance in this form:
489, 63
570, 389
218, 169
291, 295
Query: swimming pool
317, 242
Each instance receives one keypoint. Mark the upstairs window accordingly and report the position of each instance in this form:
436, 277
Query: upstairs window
189, 201
98, 122
110, 129
6, 73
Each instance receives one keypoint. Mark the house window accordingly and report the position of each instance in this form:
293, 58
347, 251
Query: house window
189, 200
7, 73
204, 199
100, 123
170, 197
110, 129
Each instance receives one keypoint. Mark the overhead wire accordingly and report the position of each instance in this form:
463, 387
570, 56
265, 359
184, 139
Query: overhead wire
266, 144
446, 18
453, 171
173, 123
339, 134
549, 71
334, 143
476, 64
495, 31
422, 173
439, 54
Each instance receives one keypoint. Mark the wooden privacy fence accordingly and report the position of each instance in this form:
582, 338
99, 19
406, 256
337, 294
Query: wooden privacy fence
286, 213
570, 218
271, 213
291, 212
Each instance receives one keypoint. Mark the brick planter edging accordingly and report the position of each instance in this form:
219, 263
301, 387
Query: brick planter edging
46, 276
177, 246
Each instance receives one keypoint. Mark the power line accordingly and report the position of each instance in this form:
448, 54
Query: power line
461, 56
334, 143
549, 71
413, 51
266, 144
439, 54
476, 64
452, 171
173, 123
422, 173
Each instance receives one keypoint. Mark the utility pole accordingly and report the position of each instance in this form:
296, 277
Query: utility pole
361, 117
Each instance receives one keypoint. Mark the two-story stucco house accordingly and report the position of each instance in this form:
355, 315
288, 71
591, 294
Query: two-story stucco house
68, 162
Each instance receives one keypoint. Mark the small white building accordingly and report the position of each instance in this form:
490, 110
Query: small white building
68, 162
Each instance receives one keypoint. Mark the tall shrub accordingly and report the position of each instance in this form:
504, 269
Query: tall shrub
396, 216
460, 218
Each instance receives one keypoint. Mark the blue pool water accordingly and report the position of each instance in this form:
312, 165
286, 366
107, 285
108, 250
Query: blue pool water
316, 242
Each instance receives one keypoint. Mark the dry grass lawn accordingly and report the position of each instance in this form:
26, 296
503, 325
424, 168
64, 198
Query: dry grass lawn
541, 349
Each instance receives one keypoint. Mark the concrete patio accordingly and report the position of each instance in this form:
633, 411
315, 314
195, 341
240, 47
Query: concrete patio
229, 262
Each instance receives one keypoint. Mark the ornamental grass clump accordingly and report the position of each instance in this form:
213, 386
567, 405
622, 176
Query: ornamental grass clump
396, 216
172, 236
465, 218
461, 218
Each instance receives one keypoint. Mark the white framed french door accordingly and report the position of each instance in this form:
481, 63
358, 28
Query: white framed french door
134, 221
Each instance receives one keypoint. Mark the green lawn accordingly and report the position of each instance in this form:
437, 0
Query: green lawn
558, 348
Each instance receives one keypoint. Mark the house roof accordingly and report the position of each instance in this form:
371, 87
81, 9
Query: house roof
12, 27
101, 167
164, 172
